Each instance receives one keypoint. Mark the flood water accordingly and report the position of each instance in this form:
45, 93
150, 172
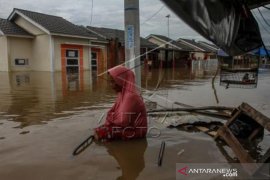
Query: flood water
44, 116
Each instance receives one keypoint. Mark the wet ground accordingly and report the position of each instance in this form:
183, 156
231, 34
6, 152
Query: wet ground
44, 116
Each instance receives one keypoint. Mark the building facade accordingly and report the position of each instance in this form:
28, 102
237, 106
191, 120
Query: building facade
32, 41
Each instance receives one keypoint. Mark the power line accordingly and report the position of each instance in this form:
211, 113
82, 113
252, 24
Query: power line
92, 12
153, 15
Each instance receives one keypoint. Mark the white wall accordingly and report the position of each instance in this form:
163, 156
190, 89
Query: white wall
41, 53
20, 48
28, 26
57, 40
4, 66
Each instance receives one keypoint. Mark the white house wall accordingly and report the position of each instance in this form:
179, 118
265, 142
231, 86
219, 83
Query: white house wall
4, 66
41, 53
28, 26
20, 48
57, 51
199, 55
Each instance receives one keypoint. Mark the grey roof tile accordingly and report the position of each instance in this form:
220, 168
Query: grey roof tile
183, 47
55, 24
119, 34
209, 44
197, 44
10, 28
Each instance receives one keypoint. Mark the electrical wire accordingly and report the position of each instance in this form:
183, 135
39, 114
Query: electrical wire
92, 7
153, 15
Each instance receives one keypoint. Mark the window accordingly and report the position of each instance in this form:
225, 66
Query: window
72, 61
21, 62
72, 53
94, 60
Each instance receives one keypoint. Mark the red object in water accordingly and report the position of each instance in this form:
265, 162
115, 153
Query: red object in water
127, 118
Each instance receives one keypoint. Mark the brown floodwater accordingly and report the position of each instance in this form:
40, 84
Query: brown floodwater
44, 116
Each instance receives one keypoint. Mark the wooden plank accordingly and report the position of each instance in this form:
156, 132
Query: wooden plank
231, 140
255, 132
256, 115
239, 151
206, 130
233, 118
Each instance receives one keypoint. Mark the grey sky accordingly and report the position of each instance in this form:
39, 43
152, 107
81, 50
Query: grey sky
106, 13
110, 13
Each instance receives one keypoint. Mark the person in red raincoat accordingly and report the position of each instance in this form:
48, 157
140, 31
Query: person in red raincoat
127, 118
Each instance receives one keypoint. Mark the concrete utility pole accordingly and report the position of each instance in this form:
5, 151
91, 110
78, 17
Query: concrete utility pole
132, 38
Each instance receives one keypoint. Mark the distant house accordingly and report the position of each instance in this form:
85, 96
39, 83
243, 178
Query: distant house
32, 41
171, 51
203, 50
210, 46
116, 45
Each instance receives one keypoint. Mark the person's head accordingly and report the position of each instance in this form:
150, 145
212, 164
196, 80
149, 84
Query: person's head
122, 79
114, 85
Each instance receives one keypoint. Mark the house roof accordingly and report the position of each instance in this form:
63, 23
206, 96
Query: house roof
109, 33
212, 46
178, 45
194, 44
54, 24
10, 28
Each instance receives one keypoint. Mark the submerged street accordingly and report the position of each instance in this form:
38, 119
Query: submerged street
44, 116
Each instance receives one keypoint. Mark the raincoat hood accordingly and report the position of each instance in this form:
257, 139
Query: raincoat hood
123, 77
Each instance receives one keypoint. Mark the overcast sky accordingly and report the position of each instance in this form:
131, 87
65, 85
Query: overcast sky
110, 13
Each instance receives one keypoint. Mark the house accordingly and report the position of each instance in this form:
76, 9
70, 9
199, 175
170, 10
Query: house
32, 41
210, 46
171, 52
203, 50
116, 45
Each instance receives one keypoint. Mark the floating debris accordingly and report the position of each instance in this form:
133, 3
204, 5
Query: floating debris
25, 132
161, 153
180, 152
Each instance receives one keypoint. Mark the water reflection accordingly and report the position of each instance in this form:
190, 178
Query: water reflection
36, 97
200, 70
129, 156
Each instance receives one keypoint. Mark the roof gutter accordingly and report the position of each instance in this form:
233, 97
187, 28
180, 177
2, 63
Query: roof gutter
167, 42
189, 44
20, 36
73, 36
210, 47
81, 44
